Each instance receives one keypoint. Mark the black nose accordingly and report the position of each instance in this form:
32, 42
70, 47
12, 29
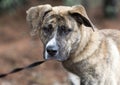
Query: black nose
52, 50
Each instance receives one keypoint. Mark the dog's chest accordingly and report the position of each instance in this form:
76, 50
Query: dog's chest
84, 70
81, 68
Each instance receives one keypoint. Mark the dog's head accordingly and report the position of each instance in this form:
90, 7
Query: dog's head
59, 28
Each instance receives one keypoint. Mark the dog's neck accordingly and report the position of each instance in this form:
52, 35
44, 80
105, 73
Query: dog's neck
84, 50
89, 39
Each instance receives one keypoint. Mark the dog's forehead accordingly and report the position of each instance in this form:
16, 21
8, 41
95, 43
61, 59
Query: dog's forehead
58, 16
61, 9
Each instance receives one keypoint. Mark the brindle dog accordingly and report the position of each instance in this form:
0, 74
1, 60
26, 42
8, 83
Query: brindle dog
69, 36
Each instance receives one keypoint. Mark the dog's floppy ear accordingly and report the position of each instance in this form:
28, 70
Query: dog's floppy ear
79, 14
36, 14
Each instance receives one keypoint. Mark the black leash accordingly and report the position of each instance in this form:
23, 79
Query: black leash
22, 68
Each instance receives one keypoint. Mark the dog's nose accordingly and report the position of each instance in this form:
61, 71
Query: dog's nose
52, 50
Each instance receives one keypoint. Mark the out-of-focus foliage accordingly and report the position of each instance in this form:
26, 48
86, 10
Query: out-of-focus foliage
71, 2
10, 5
110, 8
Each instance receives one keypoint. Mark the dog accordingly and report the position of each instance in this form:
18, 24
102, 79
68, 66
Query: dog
70, 37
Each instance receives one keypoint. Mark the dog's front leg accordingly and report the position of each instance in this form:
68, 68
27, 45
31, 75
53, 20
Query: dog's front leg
74, 79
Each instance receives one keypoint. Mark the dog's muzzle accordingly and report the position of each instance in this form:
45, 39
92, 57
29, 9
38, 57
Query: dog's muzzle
52, 50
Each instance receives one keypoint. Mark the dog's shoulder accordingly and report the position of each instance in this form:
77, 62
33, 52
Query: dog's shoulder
113, 34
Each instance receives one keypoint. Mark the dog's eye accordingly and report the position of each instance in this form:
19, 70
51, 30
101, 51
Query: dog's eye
47, 29
64, 30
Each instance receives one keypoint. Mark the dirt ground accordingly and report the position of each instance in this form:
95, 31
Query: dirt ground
18, 48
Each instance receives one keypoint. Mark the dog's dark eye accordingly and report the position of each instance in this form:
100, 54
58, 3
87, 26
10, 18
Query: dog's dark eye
64, 30
48, 29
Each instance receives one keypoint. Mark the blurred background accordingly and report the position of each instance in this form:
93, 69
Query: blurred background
18, 48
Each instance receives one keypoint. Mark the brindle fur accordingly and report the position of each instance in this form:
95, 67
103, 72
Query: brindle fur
84, 50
